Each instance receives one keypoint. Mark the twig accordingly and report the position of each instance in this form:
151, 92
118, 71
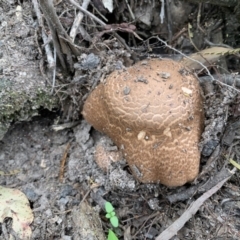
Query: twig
199, 18
177, 35
162, 12
62, 48
47, 8
174, 49
78, 20
226, 80
95, 185
87, 12
130, 10
54, 72
215, 44
84, 34
190, 37
100, 22
185, 194
194, 207
147, 219
50, 59
151, 224
169, 21
99, 13
63, 163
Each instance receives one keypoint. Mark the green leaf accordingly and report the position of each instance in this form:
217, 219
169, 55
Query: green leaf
114, 221
108, 215
111, 235
112, 214
108, 207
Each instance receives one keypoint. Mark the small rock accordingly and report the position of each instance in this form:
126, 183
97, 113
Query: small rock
89, 63
67, 190
31, 194
209, 147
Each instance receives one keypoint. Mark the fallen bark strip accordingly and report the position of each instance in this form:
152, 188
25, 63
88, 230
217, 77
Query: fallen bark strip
193, 208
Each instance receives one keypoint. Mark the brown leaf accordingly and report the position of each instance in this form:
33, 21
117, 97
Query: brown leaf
207, 57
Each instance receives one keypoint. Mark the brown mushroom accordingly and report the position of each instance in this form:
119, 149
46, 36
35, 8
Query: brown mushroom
153, 112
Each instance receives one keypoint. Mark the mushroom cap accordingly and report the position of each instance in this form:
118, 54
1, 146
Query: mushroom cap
153, 112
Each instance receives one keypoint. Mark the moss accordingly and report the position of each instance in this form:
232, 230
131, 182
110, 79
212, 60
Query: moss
19, 105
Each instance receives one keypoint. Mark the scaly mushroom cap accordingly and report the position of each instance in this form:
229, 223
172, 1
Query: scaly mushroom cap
153, 112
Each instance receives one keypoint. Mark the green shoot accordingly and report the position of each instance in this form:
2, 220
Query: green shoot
111, 235
109, 207
111, 214
114, 221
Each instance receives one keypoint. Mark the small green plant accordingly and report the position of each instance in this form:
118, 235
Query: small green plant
111, 235
111, 215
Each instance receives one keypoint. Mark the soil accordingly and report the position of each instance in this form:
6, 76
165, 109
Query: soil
53, 163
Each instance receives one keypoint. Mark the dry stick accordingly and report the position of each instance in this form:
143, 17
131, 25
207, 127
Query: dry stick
180, 222
57, 30
228, 78
50, 59
87, 12
169, 21
54, 72
63, 163
190, 37
216, 45
209, 74
157, 218
47, 8
199, 18
153, 215
77, 21
174, 49
162, 13
98, 12
190, 192
130, 10
100, 22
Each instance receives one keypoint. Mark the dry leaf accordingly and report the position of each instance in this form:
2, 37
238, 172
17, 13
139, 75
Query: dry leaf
207, 57
14, 204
